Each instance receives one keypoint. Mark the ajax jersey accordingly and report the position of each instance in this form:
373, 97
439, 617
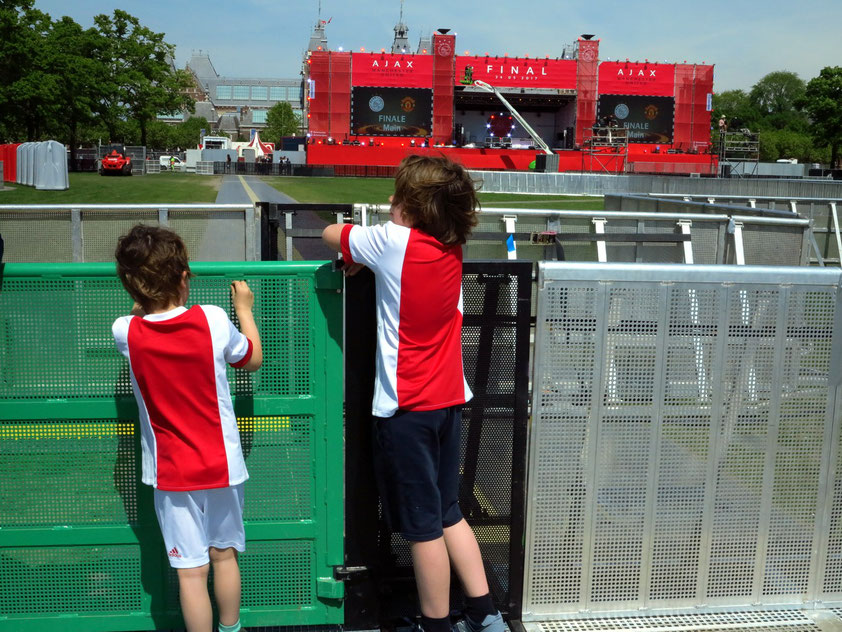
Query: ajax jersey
419, 316
178, 361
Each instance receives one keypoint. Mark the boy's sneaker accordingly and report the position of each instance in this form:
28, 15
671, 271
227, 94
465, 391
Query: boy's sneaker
491, 623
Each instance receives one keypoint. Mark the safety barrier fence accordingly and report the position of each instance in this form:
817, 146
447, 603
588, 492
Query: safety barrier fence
80, 548
684, 449
824, 212
88, 232
701, 234
600, 184
683, 235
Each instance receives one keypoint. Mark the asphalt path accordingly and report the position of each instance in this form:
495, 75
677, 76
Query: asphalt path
251, 189
247, 190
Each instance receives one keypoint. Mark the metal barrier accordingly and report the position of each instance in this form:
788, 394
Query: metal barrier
824, 212
62, 233
293, 232
80, 548
495, 342
685, 442
632, 236
600, 184
204, 168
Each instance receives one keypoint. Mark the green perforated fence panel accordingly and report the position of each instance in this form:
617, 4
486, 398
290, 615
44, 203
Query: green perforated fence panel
80, 547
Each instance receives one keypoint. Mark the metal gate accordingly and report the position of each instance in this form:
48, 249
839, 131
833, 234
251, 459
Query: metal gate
495, 347
685, 442
80, 547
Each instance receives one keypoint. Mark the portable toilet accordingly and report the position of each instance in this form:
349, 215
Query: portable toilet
10, 162
29, 164
51, 166
21, 155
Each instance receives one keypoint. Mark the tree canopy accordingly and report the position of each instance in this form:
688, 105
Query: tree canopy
823, 103
792, 119
280, 121
61, 81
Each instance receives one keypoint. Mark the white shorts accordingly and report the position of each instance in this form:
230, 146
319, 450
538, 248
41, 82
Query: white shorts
193, 521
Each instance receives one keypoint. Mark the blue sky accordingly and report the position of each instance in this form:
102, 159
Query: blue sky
745, 39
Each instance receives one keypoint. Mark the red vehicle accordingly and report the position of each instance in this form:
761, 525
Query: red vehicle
116, 163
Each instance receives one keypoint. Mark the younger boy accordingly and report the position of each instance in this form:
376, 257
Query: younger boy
420, 386
190, 443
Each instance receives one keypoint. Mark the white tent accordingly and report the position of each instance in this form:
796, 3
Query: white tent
260, 148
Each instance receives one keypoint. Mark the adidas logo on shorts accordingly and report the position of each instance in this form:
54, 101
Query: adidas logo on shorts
174, 553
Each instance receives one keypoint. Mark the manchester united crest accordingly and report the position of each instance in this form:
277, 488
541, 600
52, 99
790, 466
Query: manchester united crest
650, 112
407, 104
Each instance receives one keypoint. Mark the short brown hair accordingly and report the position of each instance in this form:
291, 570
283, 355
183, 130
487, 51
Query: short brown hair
437, 196
150, 263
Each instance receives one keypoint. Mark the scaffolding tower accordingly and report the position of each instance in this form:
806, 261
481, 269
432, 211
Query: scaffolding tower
605, 146
739, 151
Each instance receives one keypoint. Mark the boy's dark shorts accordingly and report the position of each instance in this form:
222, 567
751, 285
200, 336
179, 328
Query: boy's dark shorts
416, 462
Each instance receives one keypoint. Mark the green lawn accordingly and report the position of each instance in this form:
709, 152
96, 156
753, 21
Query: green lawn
92, 188
378, 190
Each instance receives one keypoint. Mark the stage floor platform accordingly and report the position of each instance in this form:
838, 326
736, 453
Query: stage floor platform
478, 158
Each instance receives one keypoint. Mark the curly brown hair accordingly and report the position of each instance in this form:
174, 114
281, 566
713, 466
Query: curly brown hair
437, 196
151, 262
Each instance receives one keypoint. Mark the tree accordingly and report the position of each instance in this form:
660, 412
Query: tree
280, 121
27, 89
823, 103
776, 98
186, 135
737, 109
74, 62
142, 82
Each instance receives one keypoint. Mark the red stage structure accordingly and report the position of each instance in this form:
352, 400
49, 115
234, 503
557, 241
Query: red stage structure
371, 109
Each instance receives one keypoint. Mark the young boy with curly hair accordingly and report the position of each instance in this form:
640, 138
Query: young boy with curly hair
191, 451
420, 385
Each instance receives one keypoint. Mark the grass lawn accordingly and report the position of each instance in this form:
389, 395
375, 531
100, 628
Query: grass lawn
378, 190
92, 188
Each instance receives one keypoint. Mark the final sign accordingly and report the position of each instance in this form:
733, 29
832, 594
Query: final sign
519, 72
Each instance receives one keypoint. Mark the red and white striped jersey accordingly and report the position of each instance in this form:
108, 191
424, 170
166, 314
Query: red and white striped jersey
178, 360
419, 316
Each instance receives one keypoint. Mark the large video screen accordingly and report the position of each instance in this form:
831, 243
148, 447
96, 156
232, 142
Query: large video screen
648, 119
391, 111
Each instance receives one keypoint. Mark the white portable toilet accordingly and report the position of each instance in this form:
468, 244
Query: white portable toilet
29, 172
51, 166
21, 154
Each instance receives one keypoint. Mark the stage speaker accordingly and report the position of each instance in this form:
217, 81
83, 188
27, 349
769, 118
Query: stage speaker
726, 171
546, 163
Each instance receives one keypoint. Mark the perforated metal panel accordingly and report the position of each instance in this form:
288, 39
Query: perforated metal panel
30, 236
79, 233
681, 439
78, 534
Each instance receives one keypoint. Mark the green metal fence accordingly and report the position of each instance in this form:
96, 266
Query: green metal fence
80, 547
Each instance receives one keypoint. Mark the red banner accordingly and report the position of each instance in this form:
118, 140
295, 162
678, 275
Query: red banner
654, 80
386, 70
519, 72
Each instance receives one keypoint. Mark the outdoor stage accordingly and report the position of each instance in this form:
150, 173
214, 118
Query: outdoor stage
639, 159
